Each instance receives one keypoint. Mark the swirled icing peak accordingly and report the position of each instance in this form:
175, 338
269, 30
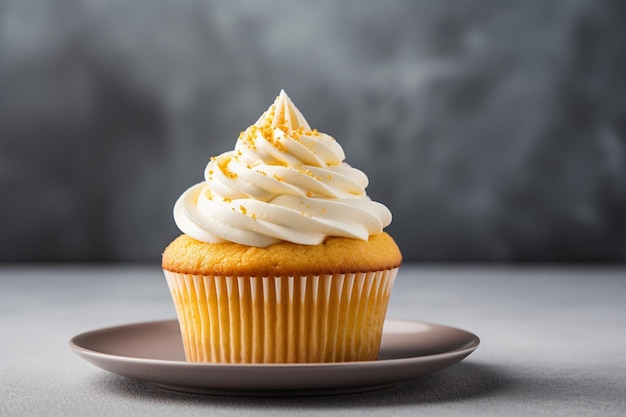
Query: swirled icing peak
283, 182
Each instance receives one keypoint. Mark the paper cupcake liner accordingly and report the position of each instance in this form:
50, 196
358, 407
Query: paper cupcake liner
325, 318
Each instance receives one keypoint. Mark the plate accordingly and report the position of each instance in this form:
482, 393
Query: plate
153, 352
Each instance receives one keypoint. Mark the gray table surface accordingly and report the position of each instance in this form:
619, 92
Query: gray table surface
553, 343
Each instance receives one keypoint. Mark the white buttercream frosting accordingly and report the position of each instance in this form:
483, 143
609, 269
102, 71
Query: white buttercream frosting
283, 182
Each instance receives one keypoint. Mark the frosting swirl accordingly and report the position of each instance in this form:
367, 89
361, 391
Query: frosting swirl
283, 182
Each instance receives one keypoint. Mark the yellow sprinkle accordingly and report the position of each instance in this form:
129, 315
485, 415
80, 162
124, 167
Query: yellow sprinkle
243, 209
223, 166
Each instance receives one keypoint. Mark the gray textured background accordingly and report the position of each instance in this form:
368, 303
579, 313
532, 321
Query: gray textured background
494, 130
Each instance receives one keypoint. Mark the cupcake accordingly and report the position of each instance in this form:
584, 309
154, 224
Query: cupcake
283, 257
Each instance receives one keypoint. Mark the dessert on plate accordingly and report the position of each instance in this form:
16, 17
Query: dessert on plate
283, 257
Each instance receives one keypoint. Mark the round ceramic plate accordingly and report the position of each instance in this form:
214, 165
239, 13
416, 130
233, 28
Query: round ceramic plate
153, 352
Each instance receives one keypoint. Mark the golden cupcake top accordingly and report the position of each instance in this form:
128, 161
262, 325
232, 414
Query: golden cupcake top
335, 255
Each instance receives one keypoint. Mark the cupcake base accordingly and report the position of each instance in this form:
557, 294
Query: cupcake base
303, 319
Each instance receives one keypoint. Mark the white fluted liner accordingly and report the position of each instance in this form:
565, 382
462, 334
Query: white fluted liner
325, 318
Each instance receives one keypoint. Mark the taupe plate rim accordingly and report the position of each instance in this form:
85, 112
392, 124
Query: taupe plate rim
409, 349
